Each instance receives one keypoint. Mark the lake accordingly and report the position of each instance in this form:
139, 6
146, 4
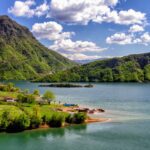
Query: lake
127, 104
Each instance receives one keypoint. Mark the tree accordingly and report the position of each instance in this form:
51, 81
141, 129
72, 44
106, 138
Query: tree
49, 96
26, 98
19, 123
36, 92
10, 86
36, 118
4, 119
147, 72
30, 98
26, 91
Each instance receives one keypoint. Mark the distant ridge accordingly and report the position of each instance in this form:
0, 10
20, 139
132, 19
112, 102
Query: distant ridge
132, 68
22, 57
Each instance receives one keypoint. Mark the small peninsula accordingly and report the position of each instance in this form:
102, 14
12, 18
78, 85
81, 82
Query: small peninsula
21, 110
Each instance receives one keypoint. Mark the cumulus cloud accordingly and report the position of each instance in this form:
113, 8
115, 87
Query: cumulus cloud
84, 11
69, 46
50, 30
136, 28
79, 56
42, 9
123, 39
145, 38
79, 11
128, 17
119, 38
62, 41
24, 9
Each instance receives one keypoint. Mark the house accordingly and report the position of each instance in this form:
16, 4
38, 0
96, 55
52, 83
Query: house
40, 101
9, 99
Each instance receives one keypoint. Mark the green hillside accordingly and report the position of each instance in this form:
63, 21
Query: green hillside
22, 56
132, 68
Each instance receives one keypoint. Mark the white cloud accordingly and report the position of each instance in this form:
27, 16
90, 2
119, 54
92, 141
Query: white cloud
80, 56
50, 30
79, 11
119, 38
131, 17
24, 9
69, 46
123, 39
111, 2
42, 9
84, 11
128, 17
136, 28
145, 38
62, 40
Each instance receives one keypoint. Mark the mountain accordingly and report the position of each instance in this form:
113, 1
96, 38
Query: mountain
88, 60
132, 68
22, 56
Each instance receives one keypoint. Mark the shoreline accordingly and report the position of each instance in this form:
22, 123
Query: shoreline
87, 121
90, 121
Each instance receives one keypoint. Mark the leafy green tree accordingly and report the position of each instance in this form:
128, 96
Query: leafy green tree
147, 72
36, 92
26, 91
10, 86
106, 75
5, 119
49, 96
30, 98
26, 98
19, 123
35, 117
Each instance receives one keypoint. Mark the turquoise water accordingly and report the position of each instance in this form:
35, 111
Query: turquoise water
127, 104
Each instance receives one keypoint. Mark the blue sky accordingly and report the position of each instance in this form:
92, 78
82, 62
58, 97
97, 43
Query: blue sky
85, 29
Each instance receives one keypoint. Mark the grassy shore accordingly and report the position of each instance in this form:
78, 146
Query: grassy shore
21, 110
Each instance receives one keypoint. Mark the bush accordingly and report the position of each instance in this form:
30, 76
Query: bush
16, 123
19, 123
36, 118
26, 98
79, 118
36, 92
4, 120
35, 121
56, 120
69, 118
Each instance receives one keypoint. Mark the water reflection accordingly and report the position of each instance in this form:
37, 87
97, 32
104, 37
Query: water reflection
44, 133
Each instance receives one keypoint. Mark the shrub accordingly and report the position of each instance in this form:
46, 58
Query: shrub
79, 118
35, 118
69, 118
26, 98
56, 120
4, 120
16, 123
19, 123
36, 92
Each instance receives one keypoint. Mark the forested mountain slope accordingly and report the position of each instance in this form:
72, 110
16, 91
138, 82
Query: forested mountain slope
22, 56
132, 68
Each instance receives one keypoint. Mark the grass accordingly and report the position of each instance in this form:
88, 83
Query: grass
44, 109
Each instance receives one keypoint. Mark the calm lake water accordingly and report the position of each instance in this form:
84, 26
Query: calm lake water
127, 104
